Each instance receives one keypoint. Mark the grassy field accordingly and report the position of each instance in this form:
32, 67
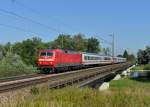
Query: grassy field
122, 93
11, 73
142, 67
138, 67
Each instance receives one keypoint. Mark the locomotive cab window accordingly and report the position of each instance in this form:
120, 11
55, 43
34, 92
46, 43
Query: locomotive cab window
49, 54
43, 54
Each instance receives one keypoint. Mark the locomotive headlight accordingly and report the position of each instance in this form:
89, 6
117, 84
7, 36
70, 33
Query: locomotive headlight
50, 62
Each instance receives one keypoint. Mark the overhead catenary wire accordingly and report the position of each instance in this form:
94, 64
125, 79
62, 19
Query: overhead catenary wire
30, 20
35, 11
18, 28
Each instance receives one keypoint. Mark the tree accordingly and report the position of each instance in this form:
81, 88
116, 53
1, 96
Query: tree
140, 56
28, 50
79, 43
1, 52
63, 41
147, 52
93, 45
131, 58
143, 56
125, 54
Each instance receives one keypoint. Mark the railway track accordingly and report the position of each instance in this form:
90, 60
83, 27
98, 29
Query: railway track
13, 78
59, 80
84, 75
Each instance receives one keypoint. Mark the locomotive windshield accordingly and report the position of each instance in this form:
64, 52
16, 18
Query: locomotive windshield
49, 54
46, 54
43, 54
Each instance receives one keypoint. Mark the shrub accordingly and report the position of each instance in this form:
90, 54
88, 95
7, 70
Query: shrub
1, 55
12, 64
147, 67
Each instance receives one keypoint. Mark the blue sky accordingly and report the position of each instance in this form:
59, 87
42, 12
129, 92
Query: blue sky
128, 19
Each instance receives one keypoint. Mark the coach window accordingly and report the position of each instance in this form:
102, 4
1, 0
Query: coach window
86, 57
107, 58
91, 58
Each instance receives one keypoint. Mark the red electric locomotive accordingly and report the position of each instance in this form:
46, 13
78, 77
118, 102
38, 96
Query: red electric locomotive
52, 60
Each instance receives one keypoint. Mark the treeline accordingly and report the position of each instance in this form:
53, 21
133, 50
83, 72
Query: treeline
143, 56
28, 49
77, 43
21, 57
129, 57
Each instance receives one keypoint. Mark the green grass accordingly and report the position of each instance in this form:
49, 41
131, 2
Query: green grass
147, 67
122, 93
138, 67
4, 72
126, 83
121, 84
142, 67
